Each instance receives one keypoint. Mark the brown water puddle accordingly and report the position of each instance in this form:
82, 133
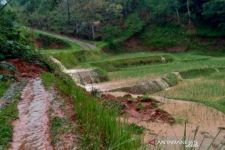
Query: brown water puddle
31, 130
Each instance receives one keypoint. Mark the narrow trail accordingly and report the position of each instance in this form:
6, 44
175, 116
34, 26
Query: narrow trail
31, 130
83, 44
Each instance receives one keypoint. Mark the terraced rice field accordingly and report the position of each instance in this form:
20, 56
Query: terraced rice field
169, 78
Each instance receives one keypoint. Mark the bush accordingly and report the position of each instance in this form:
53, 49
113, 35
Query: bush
214, 13
115, 35
15, 41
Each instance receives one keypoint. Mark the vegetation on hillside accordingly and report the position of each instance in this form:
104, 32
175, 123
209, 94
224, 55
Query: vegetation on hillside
147, 39
15, 40
116, 21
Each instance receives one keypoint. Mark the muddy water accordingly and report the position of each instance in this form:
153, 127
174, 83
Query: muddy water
196, 115
31, 130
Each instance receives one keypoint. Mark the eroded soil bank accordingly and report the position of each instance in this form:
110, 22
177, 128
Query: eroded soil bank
165, 120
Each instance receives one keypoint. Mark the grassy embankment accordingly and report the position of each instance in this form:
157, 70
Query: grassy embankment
198, 53
7, 115
99, 125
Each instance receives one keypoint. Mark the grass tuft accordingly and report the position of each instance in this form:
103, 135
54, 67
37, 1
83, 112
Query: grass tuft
100, 126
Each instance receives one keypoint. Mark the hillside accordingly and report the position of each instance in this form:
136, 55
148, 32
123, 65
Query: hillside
112, 75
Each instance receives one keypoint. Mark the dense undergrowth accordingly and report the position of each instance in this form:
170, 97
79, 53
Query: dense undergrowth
100, 127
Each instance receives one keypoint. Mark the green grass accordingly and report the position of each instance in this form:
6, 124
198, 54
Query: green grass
58, 127
208, 90
74, 58
164, 36
112, 65
7, 115
3, 87
157, 70
100, 126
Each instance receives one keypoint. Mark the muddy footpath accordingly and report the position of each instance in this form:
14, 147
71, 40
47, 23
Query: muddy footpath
37, 109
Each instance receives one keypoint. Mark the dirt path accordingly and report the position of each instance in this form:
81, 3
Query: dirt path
83, 44
31, 130
46, 120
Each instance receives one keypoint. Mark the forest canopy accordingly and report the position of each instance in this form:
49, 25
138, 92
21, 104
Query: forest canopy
105, 19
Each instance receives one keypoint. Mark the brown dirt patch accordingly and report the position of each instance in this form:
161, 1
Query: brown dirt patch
39, 44
62, 107
31, 130
25, 69
143, 109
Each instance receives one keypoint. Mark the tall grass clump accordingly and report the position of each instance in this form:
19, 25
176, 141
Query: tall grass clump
100, 126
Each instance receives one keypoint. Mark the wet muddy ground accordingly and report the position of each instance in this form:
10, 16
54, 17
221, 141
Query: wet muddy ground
166, 119
37, 110
208, 121
31, 130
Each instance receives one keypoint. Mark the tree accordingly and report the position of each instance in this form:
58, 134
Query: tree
214, 13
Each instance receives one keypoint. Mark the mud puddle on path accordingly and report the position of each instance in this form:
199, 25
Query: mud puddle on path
209, 121
31, 130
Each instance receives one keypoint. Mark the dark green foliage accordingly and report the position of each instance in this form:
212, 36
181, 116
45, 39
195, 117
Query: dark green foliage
214, 13
15, 41
116, 35
162, 37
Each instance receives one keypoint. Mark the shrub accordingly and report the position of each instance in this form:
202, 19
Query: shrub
15, 40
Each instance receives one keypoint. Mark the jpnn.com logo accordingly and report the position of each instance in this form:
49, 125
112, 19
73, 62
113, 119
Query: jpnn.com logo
187, 143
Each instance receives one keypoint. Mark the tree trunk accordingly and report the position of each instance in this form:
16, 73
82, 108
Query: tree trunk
68, 12
77, 28
178, 15
189, 13
7, 2
93, 31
